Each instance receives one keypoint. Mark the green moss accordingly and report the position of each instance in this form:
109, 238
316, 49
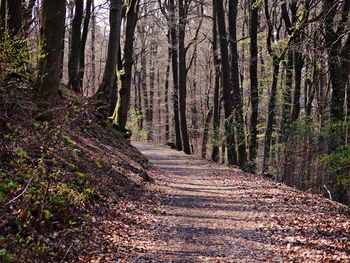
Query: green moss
68, 139
98, 164
5, 256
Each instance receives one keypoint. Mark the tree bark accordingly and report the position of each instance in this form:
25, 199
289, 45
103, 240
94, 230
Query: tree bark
174, 65
216, 104
166, 91
151, 86
183, 78
143, 78
298, 67
27, 11
206, 132
14, 18
272, 102
338, 57
109, 75
227, 87
3, 14
73, 62
83, 42
51, 35
237, 96
125, 71
254, 94
194, 111
271, 115
93, 46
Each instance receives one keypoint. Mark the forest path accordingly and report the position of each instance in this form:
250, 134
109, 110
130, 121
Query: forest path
213, 213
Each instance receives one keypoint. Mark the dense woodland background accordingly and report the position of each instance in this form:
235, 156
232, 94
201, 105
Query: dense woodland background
259, 84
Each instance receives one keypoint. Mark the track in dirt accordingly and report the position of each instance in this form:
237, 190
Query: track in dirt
213, 213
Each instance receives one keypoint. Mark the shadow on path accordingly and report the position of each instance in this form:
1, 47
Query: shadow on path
212, 213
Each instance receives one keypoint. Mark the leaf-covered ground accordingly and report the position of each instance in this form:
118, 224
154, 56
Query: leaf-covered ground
212, 213
72, 190
68, 185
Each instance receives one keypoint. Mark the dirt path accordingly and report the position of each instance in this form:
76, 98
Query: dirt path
212, 213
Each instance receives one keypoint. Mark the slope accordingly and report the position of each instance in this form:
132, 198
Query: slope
65, 180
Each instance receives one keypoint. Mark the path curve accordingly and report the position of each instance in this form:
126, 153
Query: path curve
212, 213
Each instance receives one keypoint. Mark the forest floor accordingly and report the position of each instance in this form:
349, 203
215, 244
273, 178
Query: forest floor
72, 190
213, 213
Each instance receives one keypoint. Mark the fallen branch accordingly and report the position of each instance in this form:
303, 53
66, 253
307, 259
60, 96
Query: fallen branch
24, 190
65, 255
329, 192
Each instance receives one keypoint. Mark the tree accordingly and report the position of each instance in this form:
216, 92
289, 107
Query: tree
166, 91
74, 55
337, 42
237, 97
51, 35
83, 42
104, 92
216, 97
93, 44
27, 11
14, 18
277, 58
254, 94
183, 79
205, 132
338, 53
175, 73
226, 83
3, 13
125, 69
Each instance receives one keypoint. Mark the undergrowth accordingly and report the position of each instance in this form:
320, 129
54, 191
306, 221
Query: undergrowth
53, 174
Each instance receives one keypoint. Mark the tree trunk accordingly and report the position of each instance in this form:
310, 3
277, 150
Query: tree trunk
287, 97
286, 121
237, 96
338, 57
143, 77
139, 83
14, 17
73, 62
206, 132
194, 111
298, 67
254, 94
183, 78
223, 151
125, 71
151, 87
83, 42
271, 115
216, 110
109, 75
51, 35
174, 64
227, 88
276, 60
27, 11
3, 11
93, 47
166, 91
159, 105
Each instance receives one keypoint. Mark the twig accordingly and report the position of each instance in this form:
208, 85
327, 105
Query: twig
65, 255
24, 190
329, 193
